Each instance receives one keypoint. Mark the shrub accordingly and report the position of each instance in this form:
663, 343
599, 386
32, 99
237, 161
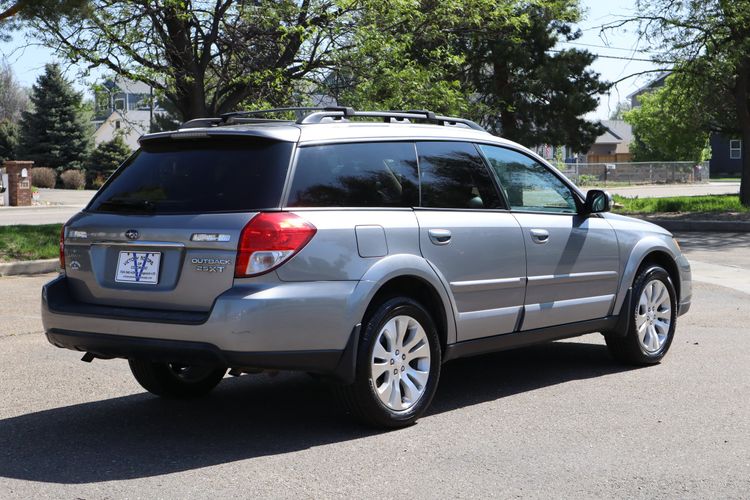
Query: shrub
73, 179
43, 177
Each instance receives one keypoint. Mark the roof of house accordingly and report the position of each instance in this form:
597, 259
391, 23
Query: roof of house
618, 131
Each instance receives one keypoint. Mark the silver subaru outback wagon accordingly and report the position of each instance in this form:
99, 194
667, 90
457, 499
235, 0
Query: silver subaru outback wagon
366, 247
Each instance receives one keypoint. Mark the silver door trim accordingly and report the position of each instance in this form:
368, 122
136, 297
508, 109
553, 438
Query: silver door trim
493, 284
476, 324
560, 312
572, 277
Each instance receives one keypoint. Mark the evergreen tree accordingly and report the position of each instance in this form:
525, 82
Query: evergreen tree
105, 159
54, 134
8, 140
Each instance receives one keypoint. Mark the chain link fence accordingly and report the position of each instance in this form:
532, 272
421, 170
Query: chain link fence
673, 172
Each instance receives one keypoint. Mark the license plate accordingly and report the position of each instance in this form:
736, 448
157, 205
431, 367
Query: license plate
138, 267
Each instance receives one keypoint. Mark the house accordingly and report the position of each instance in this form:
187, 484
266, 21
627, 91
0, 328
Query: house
613, 145
726, 152
123, 107
131, 125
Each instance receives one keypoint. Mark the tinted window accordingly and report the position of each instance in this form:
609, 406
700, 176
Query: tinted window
198, 177
454, 176
529, 185
356, 175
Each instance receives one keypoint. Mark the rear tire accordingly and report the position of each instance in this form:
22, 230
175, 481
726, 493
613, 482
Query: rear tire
176, 380
398, 365
652, 321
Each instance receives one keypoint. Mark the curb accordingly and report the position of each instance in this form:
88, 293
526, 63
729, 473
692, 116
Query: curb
714, 226
29, 267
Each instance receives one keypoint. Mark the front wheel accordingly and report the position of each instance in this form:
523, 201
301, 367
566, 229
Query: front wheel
652, 322
398, 365
176, 380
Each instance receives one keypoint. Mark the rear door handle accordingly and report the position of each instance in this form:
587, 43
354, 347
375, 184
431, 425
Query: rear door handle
539, 235
440, 236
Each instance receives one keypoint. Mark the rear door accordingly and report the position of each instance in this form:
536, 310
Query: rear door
572, 260
162, 232
469, 237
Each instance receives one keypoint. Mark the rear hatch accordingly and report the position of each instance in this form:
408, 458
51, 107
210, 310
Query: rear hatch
162, 233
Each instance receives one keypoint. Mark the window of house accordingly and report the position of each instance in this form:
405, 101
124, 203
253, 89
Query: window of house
735, 149
118, 124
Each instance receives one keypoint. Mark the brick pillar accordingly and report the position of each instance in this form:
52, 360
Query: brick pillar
19, 187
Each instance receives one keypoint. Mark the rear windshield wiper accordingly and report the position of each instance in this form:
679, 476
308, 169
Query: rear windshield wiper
126, 204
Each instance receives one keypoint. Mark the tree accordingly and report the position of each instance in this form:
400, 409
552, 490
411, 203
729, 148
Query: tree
669, 125
13, 98
8, 140
621, 108
494, 60
205, 57
709, 42
14, 12
55, 133
530, 92
105, 159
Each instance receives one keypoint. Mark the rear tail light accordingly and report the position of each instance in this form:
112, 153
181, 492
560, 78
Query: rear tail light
269, 240
62, 249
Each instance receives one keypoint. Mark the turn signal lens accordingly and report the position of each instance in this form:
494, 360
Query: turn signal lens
269, 240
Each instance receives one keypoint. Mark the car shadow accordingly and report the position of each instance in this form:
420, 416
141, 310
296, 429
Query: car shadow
251, 416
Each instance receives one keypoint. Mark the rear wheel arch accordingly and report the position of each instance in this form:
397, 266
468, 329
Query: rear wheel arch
419, 290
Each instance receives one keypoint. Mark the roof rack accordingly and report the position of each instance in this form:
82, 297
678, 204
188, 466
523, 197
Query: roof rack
390, 117
306, 115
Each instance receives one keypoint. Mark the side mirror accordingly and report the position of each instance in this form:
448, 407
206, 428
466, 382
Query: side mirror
598, 201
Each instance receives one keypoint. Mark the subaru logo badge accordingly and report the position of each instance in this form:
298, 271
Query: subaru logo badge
132, 234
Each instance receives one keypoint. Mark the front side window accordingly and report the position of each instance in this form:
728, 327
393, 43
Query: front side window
528, 185
377, 174
453, 175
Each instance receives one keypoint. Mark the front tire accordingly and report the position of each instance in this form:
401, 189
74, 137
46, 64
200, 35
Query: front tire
176, 380
398, 365
652, 322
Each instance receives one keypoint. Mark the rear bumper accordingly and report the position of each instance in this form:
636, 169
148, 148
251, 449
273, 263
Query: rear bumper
296, 326
119, 346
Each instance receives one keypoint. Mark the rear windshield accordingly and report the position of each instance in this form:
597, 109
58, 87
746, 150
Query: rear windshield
198, 177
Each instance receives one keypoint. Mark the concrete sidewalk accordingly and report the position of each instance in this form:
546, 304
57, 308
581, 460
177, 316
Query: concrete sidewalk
668, 190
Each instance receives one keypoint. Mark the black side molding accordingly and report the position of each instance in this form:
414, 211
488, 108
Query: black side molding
527, 338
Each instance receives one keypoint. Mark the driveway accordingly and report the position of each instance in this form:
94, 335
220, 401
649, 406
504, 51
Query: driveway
555, 421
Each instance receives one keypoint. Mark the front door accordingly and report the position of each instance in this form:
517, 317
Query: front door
572, 260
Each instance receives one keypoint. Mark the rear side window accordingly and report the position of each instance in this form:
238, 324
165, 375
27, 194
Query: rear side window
377, 174
216, 175
454, 176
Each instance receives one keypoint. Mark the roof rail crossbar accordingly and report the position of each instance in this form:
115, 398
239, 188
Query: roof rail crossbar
420, 115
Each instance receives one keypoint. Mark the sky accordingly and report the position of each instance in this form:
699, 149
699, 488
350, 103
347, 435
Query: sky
616, 49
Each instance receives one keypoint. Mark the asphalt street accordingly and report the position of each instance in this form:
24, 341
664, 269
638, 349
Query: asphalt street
560, 420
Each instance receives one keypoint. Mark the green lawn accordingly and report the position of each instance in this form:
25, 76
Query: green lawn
711, 203
29, 242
